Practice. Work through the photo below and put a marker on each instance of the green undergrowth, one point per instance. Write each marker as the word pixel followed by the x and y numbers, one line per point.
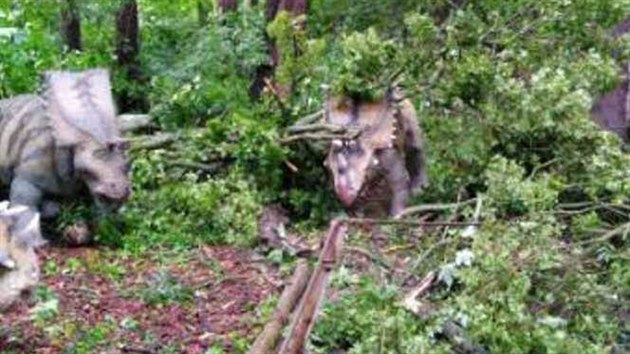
pixel 514 287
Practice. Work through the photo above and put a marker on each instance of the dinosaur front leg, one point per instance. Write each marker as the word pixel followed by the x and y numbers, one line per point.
pixel 23 192
pixel 397 179
pixel 415 159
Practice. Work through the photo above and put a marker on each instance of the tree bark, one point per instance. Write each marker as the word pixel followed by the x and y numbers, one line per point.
pixel 203 11
pixel 127 56
pixel 267 339
pixel 228 5
pixel 71 25
pixel 266 71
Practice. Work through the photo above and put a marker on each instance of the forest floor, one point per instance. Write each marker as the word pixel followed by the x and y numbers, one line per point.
pixel 101 300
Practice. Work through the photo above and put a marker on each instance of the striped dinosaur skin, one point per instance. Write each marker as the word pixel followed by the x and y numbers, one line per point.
pixel 19 235
pixel 63 142
pixel 385 164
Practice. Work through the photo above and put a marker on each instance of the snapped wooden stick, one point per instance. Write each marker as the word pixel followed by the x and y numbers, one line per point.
pixel 267 339
pixel 306 313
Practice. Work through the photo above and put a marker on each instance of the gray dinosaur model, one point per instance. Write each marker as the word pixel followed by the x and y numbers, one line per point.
pixel 58 143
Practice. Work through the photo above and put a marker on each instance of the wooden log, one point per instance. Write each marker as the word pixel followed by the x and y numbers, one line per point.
pixel 306 313
pixel 268 338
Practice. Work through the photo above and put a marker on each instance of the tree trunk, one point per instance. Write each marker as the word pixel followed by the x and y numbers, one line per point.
pixel 295 7
pixel 266 71
pixel 226 6
pixel 127 56
pixel 71 25
pixel 203 11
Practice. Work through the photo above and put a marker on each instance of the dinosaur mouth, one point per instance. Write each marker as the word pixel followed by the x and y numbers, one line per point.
pixel 347 197
pixel 107 204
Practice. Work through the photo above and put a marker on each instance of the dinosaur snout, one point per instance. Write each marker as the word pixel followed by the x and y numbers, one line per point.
pixel 346 195
pixel 113 192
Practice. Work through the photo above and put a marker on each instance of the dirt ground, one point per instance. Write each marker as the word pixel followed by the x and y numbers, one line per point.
pixel 107 303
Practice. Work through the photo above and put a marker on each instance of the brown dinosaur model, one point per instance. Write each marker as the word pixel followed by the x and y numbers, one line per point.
pixel 385 162
pixel 612 111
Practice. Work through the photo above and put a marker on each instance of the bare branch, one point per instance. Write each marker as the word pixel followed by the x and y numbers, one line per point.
pixel 133 122
pixel 409 222
pixel 309 119
pixel 410 302
pixel 306 312
pixel 212 167
pixel 267 339
pixel 624 229
pixel 150 142
pixel 434 207
pixel 332 128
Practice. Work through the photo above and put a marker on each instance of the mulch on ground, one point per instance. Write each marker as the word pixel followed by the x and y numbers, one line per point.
pixel 226 287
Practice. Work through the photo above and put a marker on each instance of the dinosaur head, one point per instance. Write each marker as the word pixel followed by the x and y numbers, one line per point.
pixel 104 168
pixel 349 162
pixel 85 127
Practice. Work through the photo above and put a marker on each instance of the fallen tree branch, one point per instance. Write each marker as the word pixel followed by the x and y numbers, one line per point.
pixel 132 122
pixel 322 132
pixel 585 207
pixel 372 257
pixel 428 252
pixel 410 222
pixel 306 313
pixel 331 128
pixel 624 229
pixel 209 168
pixel 276 95
pixel 267 339
pixel 309 118
pixel 434 207
pixel 455 334
pixel 410 302
pixel 151 142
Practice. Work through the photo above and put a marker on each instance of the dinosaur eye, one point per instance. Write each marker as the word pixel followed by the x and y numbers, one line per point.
pixel 123 145
pixel 87 174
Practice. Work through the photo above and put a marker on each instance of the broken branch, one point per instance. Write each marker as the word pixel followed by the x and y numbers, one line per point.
pixel 306 312
pixel 455 334
pixel 196 166
pixel 372 257
pixel 434 207
pixel 410 222
pixel 624 229
pixel 309 118
pixel 151 142
pixel 291 294
pixel 332 128
pixel 133 122
pixel 410 302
